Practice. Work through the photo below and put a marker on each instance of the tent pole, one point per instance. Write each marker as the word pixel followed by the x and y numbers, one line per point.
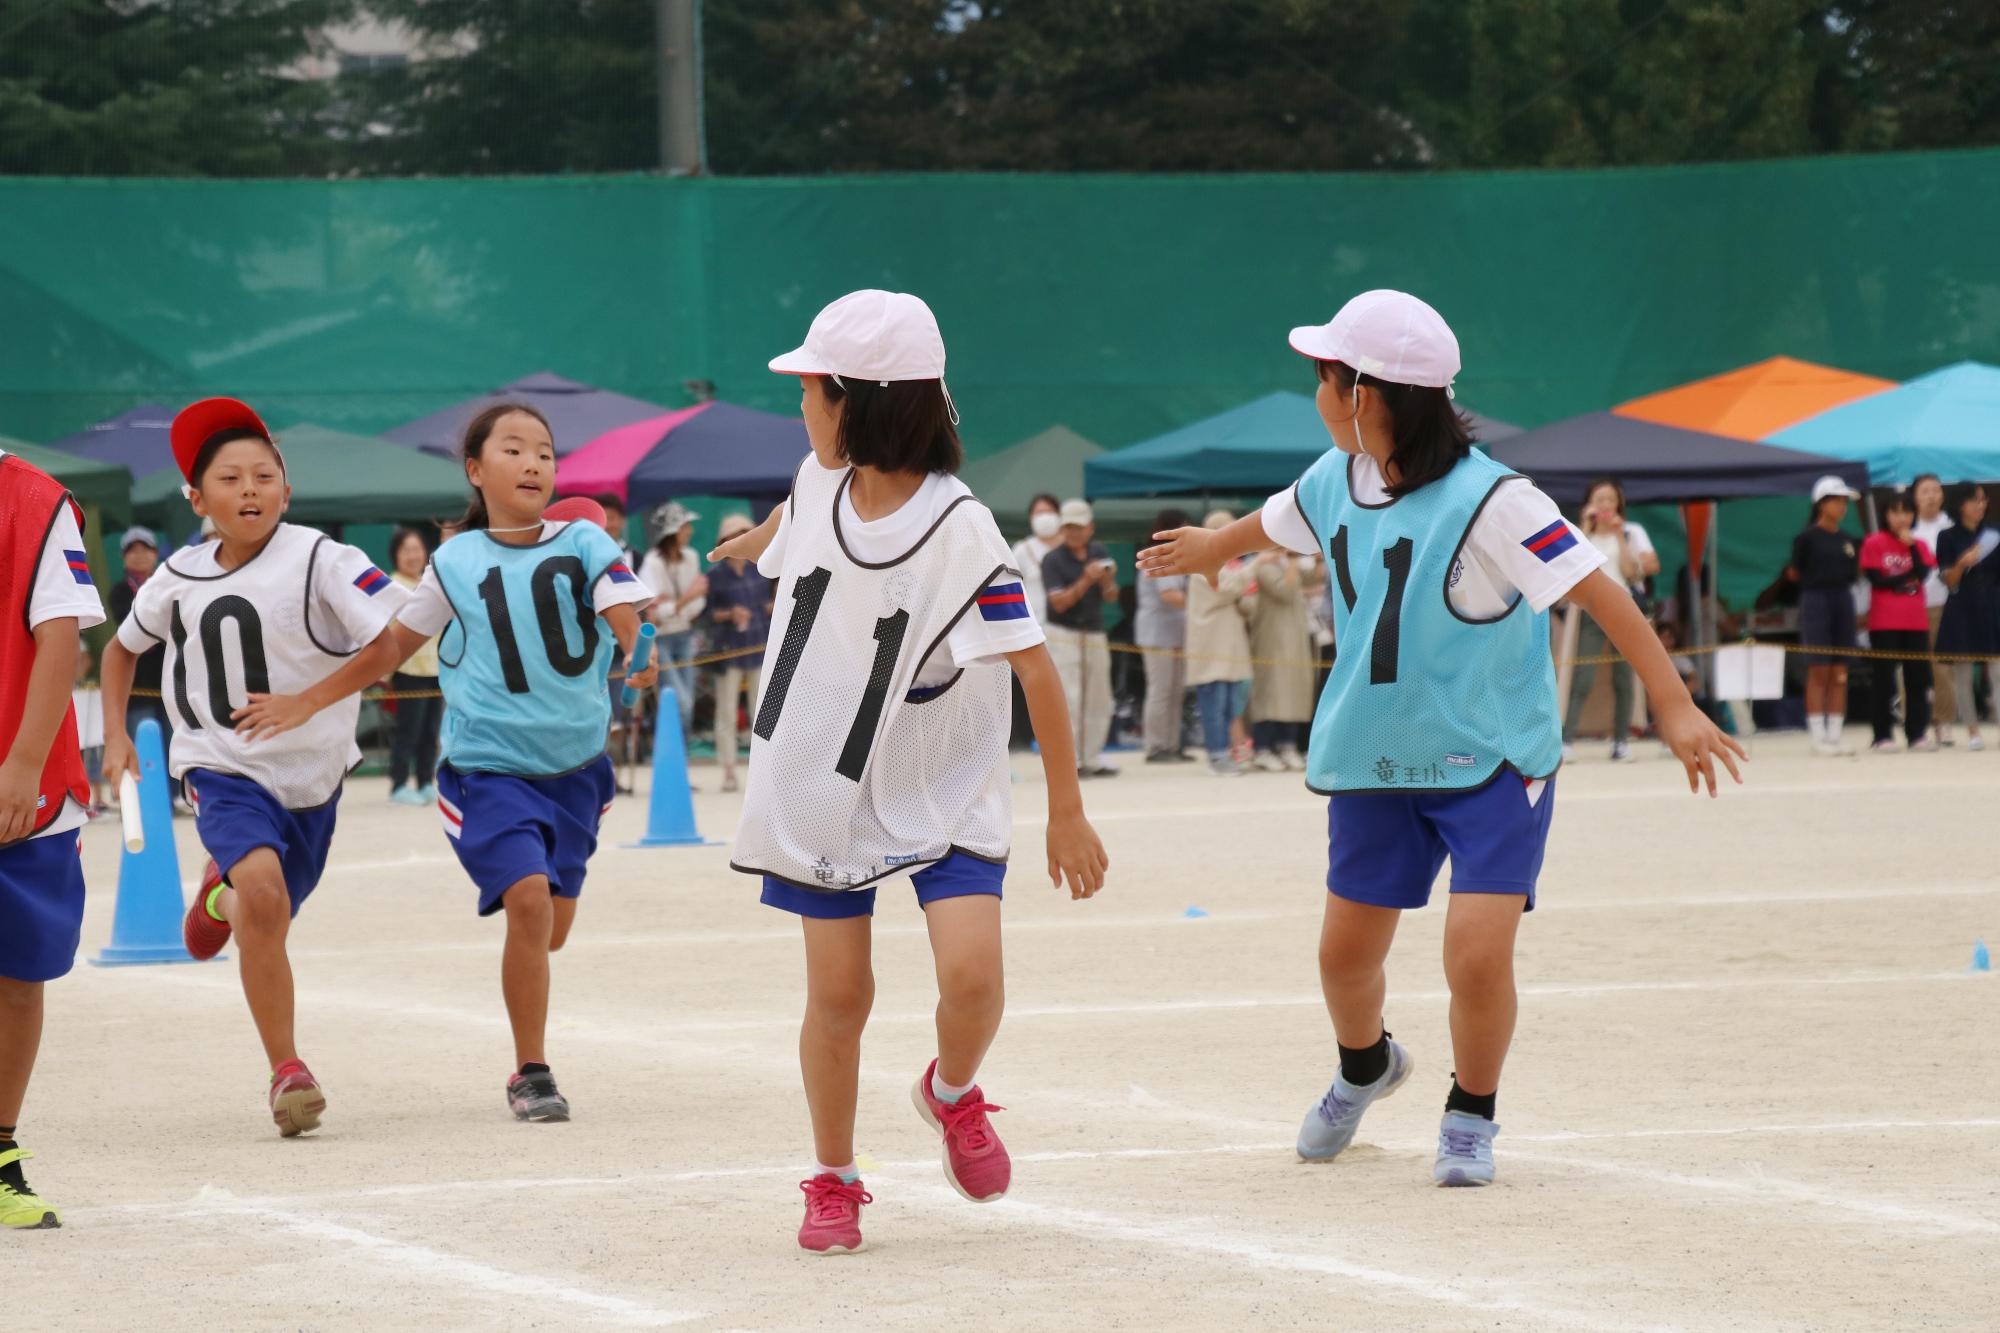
pixel 1713 629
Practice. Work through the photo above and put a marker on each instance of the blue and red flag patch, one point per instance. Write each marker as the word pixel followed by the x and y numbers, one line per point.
pixel 1551 541
pixel 1003 601
pixel 621 573
pixel 79 565
pixel 371 580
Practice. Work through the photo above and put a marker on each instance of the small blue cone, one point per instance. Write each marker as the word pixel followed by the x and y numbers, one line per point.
pixel 147 927
pixel 1194 912
pixel 670 813
pixel 1982 961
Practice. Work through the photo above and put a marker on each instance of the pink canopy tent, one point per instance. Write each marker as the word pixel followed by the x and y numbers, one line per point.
pixel 711 448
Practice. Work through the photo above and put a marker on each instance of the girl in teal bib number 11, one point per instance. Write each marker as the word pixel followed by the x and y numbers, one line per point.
pixel 1438 733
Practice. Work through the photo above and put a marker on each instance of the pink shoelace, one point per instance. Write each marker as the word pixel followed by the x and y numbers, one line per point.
pixel 966 1121
pixel 831 1199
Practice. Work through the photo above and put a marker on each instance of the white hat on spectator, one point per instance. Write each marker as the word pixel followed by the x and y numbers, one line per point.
pixel 1388 334
pixel 1077 514
pixel 1832 485
pixel 138 536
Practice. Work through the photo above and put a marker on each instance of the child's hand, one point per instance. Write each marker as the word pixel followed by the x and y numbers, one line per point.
pixel 1074 850
pixel 1697 742
pixel 1182 551
pixel 643 680
pixel 119 759
pixel 268 715
pixel 20 790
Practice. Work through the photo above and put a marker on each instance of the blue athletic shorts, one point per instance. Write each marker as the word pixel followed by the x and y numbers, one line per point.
pixel 233 817
pixel 506 828
pixel 41 906
pixel 1386 848
pixel 959 875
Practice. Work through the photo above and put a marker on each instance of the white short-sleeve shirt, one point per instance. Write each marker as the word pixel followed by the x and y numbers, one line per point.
pixel 63 590
pixel 1496 565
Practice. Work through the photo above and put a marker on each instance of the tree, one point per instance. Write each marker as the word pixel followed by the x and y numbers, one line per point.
pixel 187 88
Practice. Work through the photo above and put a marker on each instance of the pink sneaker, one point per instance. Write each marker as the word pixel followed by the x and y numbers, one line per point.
pixel 833 1215
pixel 296 1098
pixel 975 1161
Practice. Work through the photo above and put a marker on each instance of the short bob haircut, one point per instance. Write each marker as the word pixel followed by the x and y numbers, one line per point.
pixel 901 426
pixel 1429 436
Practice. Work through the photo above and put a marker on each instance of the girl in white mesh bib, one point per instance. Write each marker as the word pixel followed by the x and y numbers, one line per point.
pixel 879 747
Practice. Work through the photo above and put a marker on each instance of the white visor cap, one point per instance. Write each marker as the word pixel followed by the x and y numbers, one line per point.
pixel 870 335
pixel 1388 334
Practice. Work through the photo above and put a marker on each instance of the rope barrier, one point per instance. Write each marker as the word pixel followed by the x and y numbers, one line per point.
pixel 1599 659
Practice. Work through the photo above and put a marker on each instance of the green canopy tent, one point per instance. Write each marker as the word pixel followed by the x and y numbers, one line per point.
pixel 336 478
pixel 105 487
pixel 1052 463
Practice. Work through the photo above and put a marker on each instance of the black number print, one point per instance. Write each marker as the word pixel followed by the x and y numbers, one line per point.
pixel 889 631
pixel 549 620
pixel 1389 625
pixel 808 592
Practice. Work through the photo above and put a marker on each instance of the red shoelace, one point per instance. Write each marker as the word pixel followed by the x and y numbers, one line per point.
pixel 830 1199
pixel 966 1121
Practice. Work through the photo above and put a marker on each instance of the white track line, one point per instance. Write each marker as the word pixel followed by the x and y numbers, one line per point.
pixel 1767 1188
pixel 431 1265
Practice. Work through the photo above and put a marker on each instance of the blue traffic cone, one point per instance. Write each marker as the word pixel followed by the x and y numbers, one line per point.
pixel 1982 961
pixel 147 927
pixel 670 812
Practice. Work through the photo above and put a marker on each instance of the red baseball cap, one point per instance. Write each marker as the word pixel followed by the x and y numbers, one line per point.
pixel 198 423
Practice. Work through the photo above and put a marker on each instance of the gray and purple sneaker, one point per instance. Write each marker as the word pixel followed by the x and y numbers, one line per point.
pixel 1329 1127
pixel 1465 1150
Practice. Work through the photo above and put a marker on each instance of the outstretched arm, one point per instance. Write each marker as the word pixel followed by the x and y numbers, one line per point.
pixel 751 545
pixel 1695 741
pixel 1074 848
pixel 268 715
pixel 1204 551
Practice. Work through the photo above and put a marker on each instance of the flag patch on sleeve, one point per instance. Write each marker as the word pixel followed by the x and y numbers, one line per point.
pixel 1003 601
pixel 371 580
pixel 1551 541
pixel 620 573
pixel 79 566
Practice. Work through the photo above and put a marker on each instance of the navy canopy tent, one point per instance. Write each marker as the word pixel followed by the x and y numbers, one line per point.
pixel 137 440
pixel 577 414
pixel 723 450
pixel 1659 464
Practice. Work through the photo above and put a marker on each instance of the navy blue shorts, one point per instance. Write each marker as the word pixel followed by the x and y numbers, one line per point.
pixel 959 875
pixel 506 828
pixel 234 816
pixel 1386 848
pixel 41 906
pixel 1826 620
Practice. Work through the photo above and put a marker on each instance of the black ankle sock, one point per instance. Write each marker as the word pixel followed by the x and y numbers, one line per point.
pixel 532 1068
pixel 1470 1103
pixel 1362 1065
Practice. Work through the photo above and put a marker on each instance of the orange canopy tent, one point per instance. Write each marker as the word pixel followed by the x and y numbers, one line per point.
pixel 1748 403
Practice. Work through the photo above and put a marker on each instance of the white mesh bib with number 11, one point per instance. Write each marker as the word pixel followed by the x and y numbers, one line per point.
pixel 851 778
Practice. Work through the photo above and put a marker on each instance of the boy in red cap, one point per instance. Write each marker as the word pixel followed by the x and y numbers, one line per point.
pixel 265 606
pixel 48 601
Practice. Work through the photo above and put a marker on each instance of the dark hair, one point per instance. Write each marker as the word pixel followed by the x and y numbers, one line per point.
pixel 1169 519
pixel 1616 489
pixel 204 457
pixel 608 502
pixel 1428 436
pixel 473 443
pixel 1965 492
pixel 401 535
pixel 669 545
pixel 1044 499
pixel 1891 503
pixel 901 426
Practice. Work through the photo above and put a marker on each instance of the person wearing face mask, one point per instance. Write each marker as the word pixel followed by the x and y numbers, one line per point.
pixel 1044 535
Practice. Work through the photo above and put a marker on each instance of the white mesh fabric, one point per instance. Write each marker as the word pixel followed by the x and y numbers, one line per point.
pixel 931 775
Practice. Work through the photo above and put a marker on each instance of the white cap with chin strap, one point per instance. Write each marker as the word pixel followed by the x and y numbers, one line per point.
pixel 872 335
pixel 1389 335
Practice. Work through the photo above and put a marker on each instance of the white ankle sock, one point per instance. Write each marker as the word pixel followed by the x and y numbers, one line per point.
pixel 944 1091
pixel 1816 725
pixel 848 1174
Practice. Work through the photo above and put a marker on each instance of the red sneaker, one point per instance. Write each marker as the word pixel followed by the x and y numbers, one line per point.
pixel 296 1098
pixel 833 1214
pixel 201 933
pixel 975 1161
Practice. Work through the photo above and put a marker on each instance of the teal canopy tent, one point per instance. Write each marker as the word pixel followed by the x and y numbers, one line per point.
pixel 1946 422
pixel 1250 450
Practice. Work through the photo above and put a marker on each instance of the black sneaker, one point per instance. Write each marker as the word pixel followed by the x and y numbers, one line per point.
pixel 1163 757
pixel 533 1096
